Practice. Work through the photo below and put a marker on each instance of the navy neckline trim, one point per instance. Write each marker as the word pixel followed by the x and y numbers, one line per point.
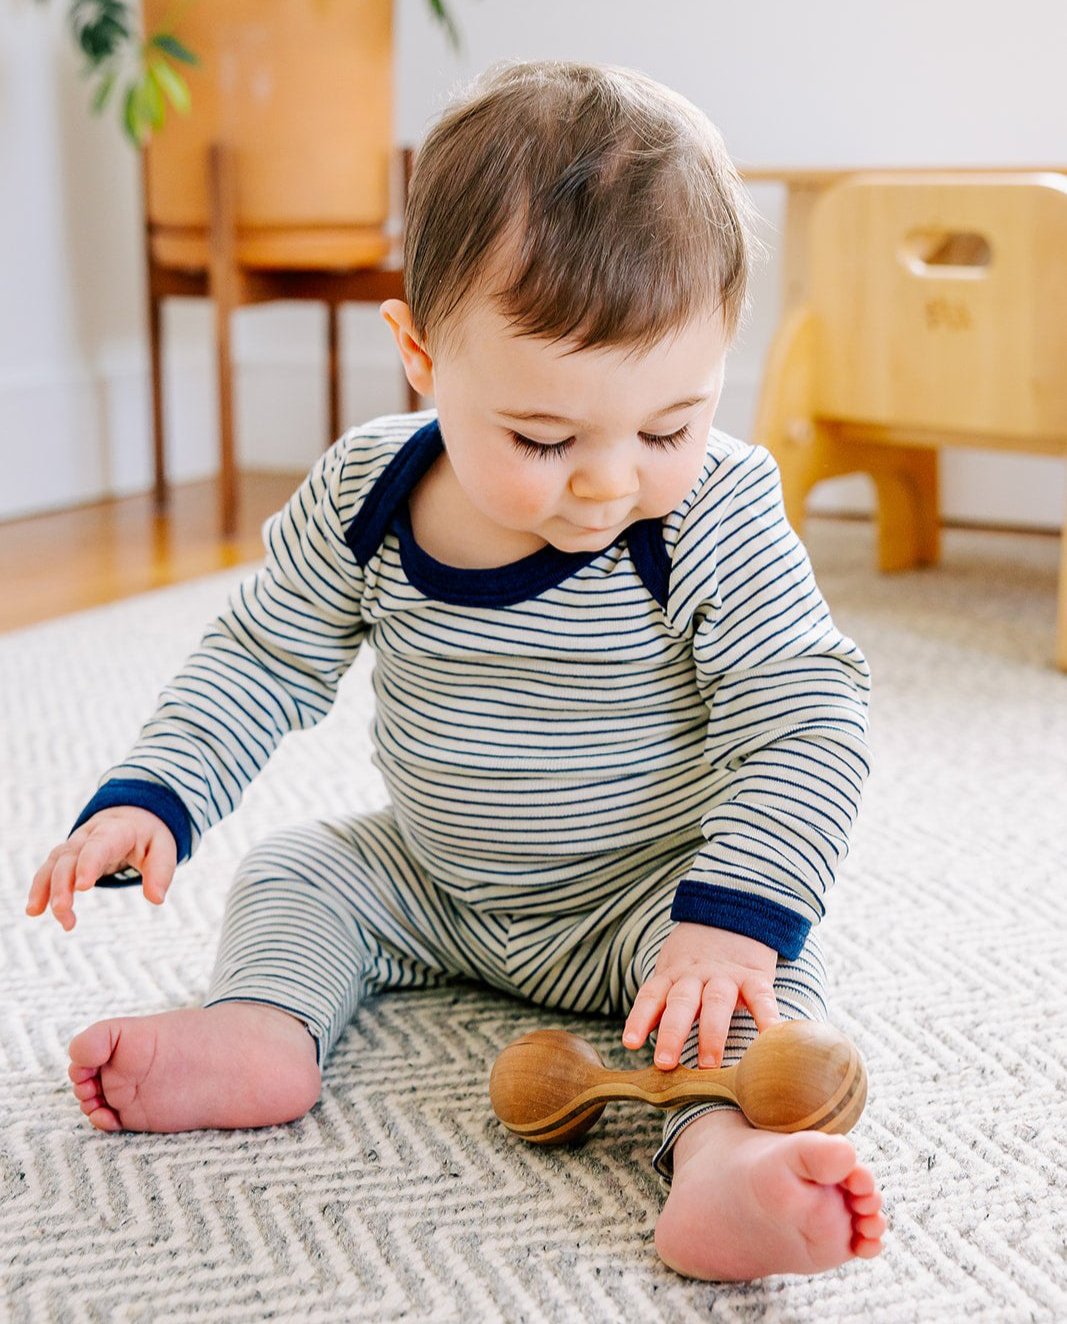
pixel 392 489
pixel 488 586
pixel 385 509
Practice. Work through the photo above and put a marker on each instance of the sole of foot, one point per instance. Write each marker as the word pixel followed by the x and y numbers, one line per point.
pixel 234 1064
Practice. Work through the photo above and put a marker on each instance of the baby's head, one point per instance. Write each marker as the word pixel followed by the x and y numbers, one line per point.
pixel 576 260
pixel 587 203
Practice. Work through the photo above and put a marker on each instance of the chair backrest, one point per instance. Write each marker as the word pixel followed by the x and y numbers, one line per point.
pixel 940 303
pixel 302 89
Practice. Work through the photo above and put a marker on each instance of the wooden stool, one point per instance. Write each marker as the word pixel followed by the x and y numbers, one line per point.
pixel 936 315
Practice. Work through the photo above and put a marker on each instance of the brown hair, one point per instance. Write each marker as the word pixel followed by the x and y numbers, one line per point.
pixel 619 212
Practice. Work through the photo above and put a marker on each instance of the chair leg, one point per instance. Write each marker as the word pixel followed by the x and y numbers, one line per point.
pixel 784 420
pixel 227 458
pixel 226 290
pixel 926 481
pixel 333 359
pixel 155 353
pixel 909 531
pixel 798 478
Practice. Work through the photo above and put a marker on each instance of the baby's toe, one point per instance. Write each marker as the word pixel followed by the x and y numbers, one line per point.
pixel 94 1045
pixel 827 1160
pixel 869 1228
pixel 864 1249
pixel 87 1089
pixel 102 1117
pixel 865 1204
pixel 860 1181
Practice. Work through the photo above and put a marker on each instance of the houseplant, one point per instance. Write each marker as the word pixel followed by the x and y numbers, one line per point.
pixel 144 69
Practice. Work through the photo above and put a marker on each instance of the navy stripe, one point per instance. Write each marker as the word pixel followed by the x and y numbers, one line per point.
pixel 754 916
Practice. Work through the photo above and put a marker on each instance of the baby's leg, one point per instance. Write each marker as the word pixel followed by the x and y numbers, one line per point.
pixel 318 917
pixel 746 1203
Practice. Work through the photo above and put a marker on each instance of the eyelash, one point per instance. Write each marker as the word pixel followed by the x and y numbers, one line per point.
pixel 542 452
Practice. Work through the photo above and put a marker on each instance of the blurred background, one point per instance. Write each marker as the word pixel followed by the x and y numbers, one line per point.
pixel 792 85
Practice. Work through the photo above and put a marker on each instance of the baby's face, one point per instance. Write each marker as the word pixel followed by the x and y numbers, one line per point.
pixel 573 448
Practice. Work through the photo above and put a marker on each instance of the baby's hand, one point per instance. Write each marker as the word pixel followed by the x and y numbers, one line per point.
pixel 702 972
pixel 105 843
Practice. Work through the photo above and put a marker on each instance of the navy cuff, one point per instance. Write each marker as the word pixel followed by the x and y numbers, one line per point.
pixel 741 912
pixel 153 796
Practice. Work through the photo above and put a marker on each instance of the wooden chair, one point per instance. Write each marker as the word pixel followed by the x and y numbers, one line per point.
pixel 276 185
pixel 936 315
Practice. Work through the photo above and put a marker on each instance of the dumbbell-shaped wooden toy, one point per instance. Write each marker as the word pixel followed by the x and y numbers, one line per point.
pixel 551 1086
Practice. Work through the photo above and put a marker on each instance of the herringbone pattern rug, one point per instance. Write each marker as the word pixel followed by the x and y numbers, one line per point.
pixel 399 1196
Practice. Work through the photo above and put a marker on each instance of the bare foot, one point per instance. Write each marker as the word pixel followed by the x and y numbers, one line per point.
pixel 747 1203
pixel 234 1064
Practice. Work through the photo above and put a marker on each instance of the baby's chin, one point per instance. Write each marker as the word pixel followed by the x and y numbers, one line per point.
pixel 567 537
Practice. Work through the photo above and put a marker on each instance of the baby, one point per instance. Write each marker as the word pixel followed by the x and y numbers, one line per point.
pixel 623 741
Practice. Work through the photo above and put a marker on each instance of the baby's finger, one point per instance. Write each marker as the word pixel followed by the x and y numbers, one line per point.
pixel 157 870
pixel 677 1020
pixel 646 1011
pixel 37 900
pixel 717 1004
pixel 96 858
pixel 63 890
pixel 40 888
pixel 761 1002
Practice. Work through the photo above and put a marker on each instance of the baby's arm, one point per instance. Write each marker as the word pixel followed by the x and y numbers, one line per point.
pixel 702 974
pixel 107 842
pixel 270 663
pixel 786 695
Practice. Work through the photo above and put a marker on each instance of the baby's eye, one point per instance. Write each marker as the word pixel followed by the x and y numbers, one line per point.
pixel 546 450
pixel 539 449
pixel 669 440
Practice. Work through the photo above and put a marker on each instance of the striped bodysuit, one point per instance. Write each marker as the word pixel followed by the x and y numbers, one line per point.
pixel 580 749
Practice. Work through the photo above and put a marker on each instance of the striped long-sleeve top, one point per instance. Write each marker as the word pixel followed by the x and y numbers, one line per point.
pixel 536 718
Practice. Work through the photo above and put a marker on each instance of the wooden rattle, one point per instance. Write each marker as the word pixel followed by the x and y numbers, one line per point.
pixel 551 1086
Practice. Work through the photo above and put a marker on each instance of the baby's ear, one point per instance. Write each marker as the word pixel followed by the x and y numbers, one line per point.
pixel 418 366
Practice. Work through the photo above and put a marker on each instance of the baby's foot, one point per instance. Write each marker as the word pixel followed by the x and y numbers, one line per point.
pixel 234 1064
pixel 746 1203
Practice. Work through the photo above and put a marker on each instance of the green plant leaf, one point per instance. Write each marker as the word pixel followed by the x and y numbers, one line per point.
pixel 130 118
pixel 172 83
pixel 166 41
pixel 441 13
pixel 100 28
pixel 150 99
pixel 103 91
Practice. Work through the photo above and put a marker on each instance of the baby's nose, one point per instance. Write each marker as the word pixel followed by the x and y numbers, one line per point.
pixel 605 483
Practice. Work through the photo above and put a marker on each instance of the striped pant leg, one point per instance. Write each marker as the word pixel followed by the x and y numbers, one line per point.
pixel 325 914
pixel 799 987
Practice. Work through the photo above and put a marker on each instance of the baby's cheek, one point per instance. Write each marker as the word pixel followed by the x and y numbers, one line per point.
pixel 525 494
pixel 672 482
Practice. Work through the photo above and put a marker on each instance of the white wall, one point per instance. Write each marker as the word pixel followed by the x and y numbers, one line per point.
pixel 822 82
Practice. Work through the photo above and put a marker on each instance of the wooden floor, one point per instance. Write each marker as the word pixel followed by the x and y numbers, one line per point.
pixel 53 564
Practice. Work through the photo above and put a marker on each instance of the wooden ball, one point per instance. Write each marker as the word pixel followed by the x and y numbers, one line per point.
pixel 537 1076
pixel 802 1076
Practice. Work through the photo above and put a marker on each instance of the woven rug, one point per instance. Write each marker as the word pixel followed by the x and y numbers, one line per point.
pixel 399 1197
